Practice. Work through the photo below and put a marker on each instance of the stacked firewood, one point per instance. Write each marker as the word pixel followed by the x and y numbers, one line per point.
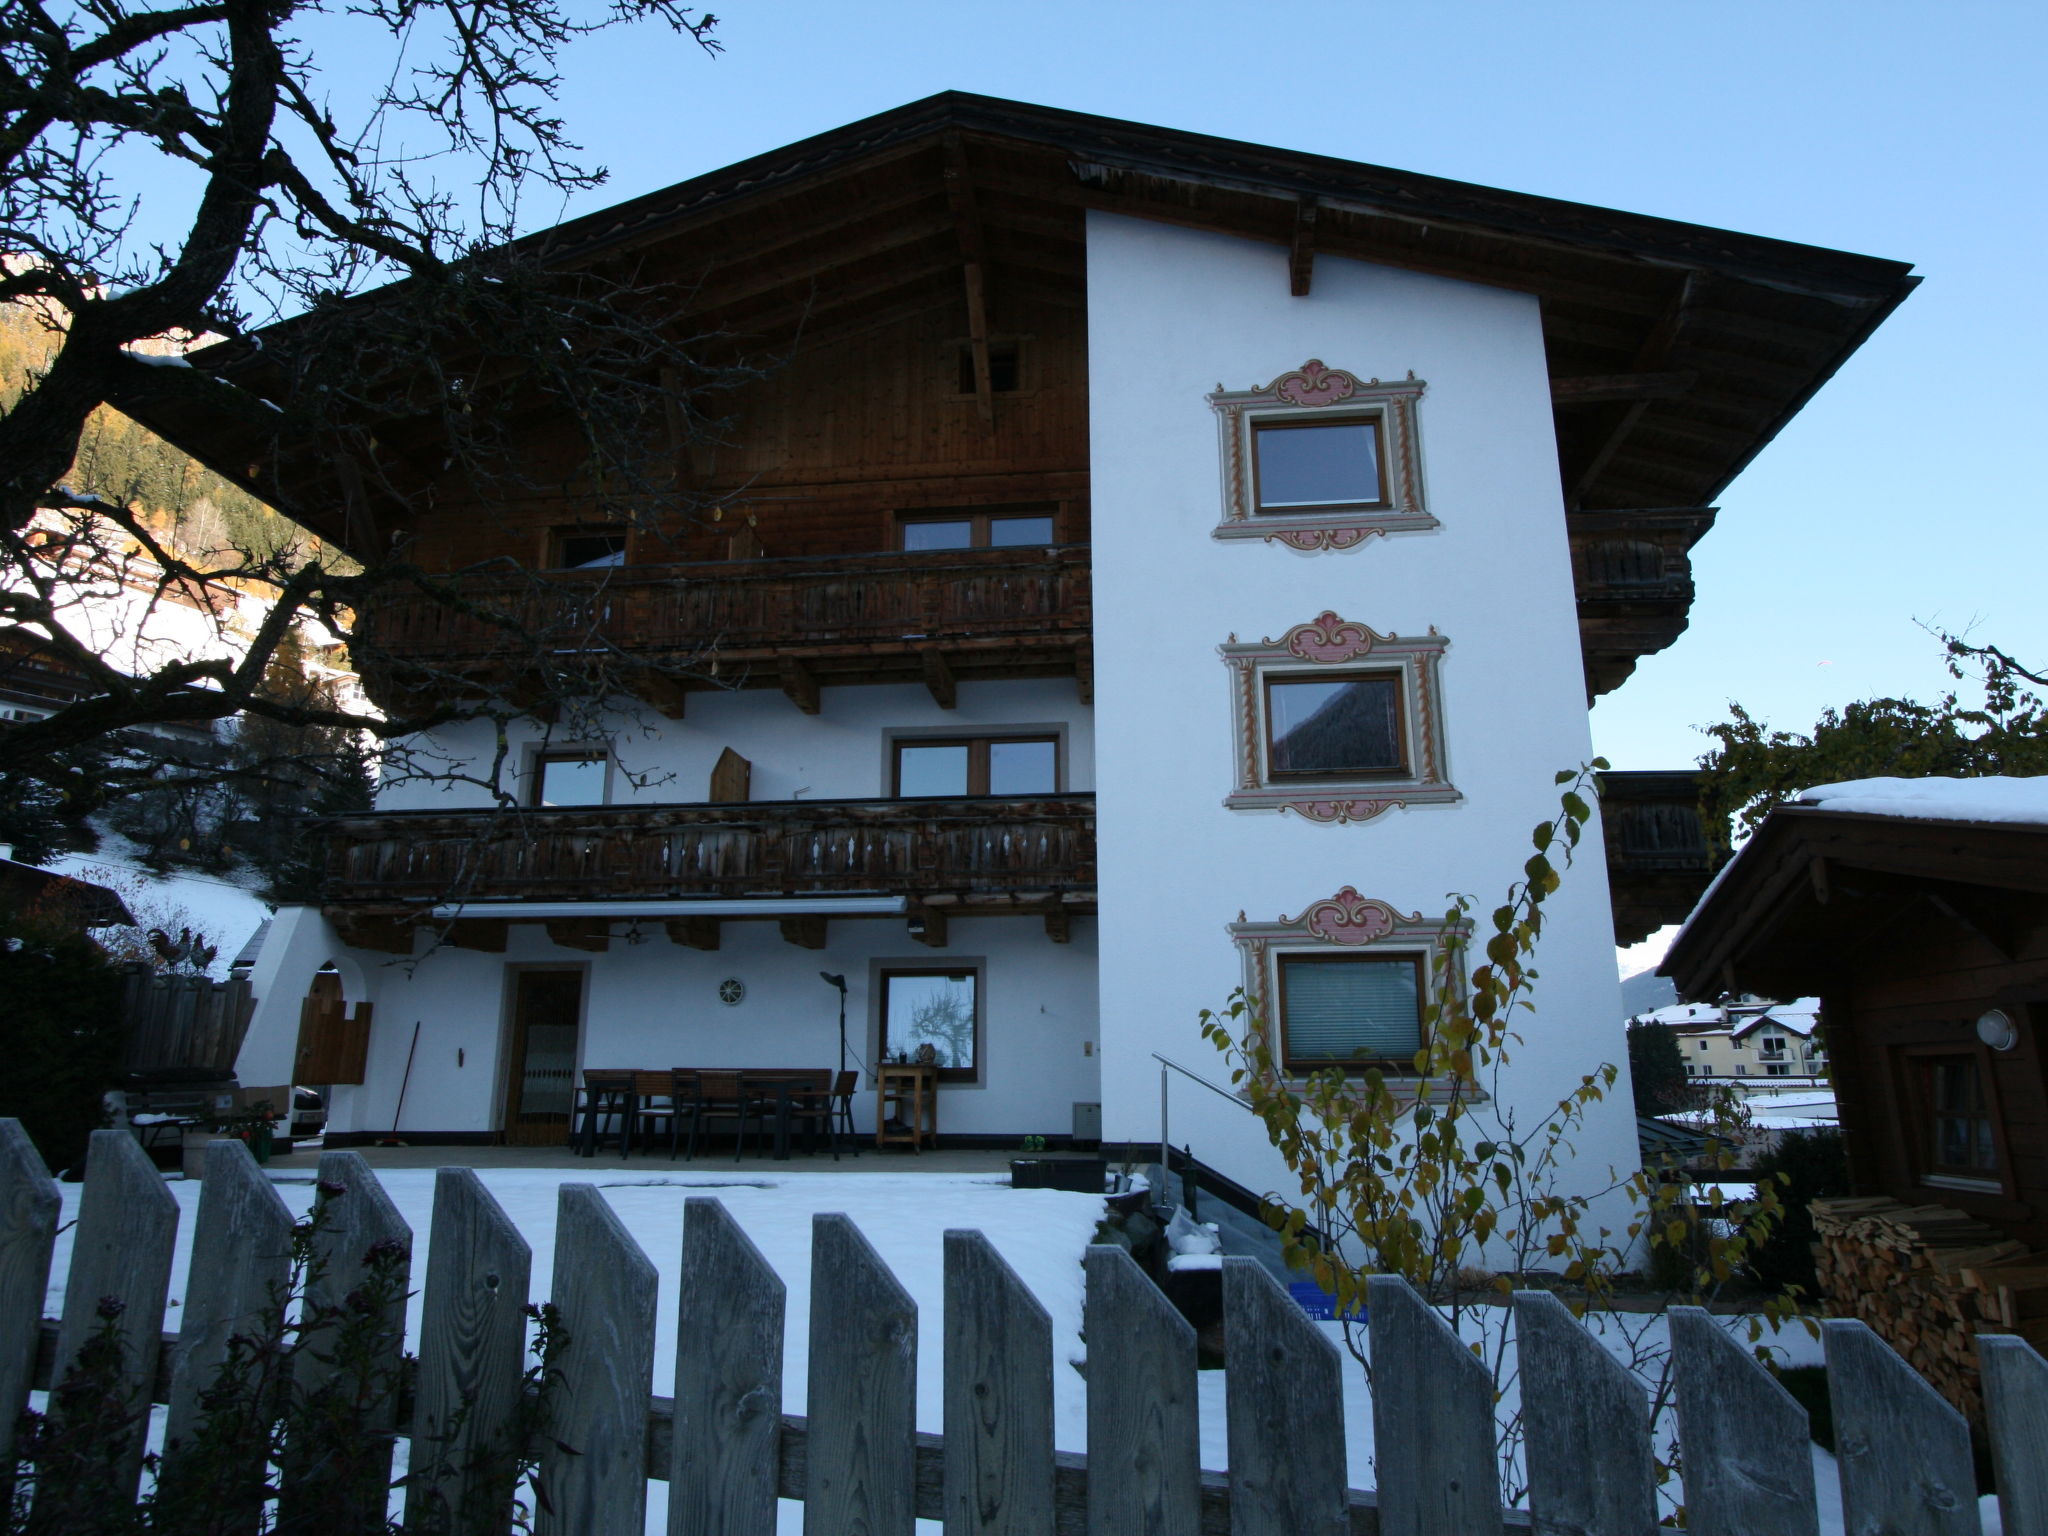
pixel 1928 1280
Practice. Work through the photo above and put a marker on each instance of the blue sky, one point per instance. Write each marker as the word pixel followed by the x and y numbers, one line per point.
pixel 1904 494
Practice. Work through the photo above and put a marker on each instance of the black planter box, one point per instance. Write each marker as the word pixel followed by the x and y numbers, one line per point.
pixel 1083 1175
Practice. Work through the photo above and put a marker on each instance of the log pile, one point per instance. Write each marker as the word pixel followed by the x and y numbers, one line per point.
pixel 1928 1279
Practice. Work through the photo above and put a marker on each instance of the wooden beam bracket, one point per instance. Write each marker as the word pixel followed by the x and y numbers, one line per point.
pixel 801 684
pixel 928 926
pixel 693 932
pixel 804 932
pixel 1301 250
pixel 938 677
pixel 592 934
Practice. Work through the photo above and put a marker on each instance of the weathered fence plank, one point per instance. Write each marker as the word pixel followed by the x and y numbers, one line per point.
pixel 472 1354
pixel 2016 1420
pixel 861 1470
pixel 1432 1420
pixel 1586 1427
pixel 119 1282
pixel 1284 1393
pixel 1903 1452
pixel 1747 1448
pixel 339 1473
pixel 241 1268
pixel 1144 1433
pixel 28 1232
pixel 998 1408
pixel 728 1406
pixel 593 1463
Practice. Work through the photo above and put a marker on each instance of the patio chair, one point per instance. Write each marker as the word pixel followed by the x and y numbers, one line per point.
pixel 843 1088
pixel 684 1095
pixel 812 1111
pixel 606 1097
pixel 719 1097
pixel 654 1107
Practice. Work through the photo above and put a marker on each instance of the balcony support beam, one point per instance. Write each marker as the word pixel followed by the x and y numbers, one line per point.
pixel 1057 924
pixel 1084 671
pixel 693 932
pixel 667 694
pixel 386 935
pixel 483 933
pixel 593 934
pixel 804 932
pixel 938 677
pixel 928 926
pixel 801 684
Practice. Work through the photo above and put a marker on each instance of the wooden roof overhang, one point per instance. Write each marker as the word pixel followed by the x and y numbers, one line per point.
pixel 1816 892
pixel 1676 351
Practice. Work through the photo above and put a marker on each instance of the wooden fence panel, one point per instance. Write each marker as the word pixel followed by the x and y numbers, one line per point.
pixel 28 1232
pixel 593 1463
pixel 2016 1420
pixel 1432 1420
pixel 357 1282
pixel 728 1405
pixel 998 1410
pixel 1144 1434
pixel 1586 1427
pixel 121 1255
pixel 1748 1452
pixel 472 1354
pixel 862 1411
pixel 1284 1393
pixel 241 1268
pixel 1903 1452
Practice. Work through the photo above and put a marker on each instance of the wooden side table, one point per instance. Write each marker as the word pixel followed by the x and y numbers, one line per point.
pixel 913 1090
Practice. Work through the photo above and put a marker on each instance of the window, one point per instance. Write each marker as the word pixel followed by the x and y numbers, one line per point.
pixel 570 778
pixel 1320 459
pixel 1777 1069
pixel 1347 724
pixel 1960 1138
pixel 1005 367
pixel 586 548
pixel 1320 464
pixel 963 528
pixel 1338 723
pixel 1703 1045
pixel 977 765
pixel 938 1007
pixel 1345 1010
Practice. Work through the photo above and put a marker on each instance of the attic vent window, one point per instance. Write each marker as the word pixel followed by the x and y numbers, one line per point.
pixel 585 549
pixel 1005 367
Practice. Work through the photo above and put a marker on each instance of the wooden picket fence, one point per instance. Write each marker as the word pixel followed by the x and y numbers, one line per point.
pixel 727 1451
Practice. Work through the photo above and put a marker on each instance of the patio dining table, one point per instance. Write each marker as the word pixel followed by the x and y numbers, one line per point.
pixel 620 1093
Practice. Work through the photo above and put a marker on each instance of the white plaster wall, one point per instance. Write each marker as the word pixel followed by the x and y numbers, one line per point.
pixel 836 754
pixel 1173 313
pixel 655 1005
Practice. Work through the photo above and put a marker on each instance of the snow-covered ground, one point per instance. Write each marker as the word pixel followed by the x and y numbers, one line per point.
pixel 1040 1233
pixel 224 912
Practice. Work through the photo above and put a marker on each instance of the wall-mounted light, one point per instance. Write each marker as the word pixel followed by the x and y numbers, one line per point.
pixel 1995 1027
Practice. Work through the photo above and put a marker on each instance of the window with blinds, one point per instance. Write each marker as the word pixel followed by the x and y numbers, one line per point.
pixel 1350 1008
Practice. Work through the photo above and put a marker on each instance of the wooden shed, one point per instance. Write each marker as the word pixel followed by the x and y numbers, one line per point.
pixel 1918 911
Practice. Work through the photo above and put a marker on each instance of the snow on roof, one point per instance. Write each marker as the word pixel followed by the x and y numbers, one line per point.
pixel 1937 799
pixel 1801 1016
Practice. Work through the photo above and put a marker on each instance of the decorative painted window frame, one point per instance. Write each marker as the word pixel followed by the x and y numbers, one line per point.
pixel 1314 387
pixel 1330 641
pixel 1346 920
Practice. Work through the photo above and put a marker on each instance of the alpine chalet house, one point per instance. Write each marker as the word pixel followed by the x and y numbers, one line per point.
pixel 1176 565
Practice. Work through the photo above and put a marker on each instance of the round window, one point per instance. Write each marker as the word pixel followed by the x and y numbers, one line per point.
pixel 731 991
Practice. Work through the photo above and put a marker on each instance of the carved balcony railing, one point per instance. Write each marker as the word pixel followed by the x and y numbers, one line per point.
pixel 1633 575
pixel 837 619
pixel 973 850
pixel 1659 857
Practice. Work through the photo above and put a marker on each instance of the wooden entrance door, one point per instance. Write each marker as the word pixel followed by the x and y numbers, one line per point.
pixel 540 1083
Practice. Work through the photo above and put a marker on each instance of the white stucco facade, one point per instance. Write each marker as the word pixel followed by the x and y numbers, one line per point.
pixel 1173 315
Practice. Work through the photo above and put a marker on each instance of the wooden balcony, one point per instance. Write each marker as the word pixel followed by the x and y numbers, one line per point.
pixel 1633 574
pixel 933 617
pixel 1659 858
pixel 968 853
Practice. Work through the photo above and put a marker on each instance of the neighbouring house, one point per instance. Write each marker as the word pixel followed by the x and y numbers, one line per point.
pixel 1747 1040
pixel 74 902
pixel 1177 563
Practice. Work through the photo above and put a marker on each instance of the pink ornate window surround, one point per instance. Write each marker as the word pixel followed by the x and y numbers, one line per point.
pixel 1344 923
pixel 1331 647
pixel 1314 394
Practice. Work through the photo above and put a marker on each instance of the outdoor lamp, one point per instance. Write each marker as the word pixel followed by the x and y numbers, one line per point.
pixel 1997 1030
pixel 840 982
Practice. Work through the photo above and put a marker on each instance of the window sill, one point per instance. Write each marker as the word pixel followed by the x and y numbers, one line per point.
pixel 1958 1181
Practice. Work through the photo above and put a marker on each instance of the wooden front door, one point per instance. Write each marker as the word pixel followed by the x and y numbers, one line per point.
pixel 540 1083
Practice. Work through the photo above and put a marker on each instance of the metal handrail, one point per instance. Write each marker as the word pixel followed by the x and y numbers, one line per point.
pixel 1165 1163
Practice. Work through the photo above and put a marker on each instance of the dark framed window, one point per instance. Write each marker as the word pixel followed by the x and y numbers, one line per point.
pixel 1342 725
pixel 579 776
pixel 1320 462
pixel 1350 1010
pixel 1958 1122
pixel 936 1006
pixel 1005 367
pixel 976 765
pixel 976 528
pixel 586 548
